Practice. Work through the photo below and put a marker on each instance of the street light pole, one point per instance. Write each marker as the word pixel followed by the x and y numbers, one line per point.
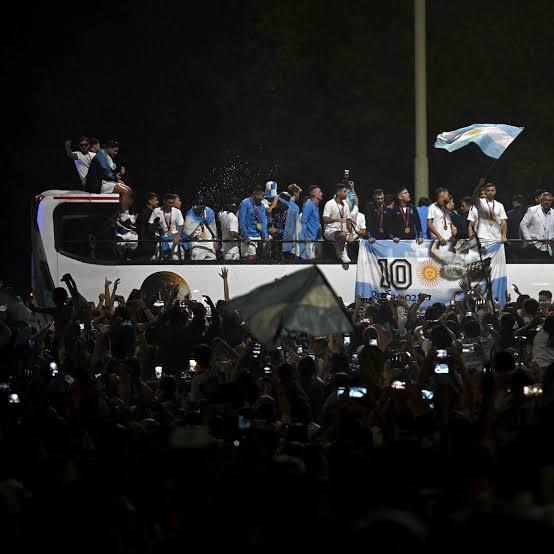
pixel 421 166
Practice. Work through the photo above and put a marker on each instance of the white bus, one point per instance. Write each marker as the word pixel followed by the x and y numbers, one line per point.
pixel 70 234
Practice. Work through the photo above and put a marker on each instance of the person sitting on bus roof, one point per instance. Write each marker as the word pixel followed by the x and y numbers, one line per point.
pixel 200 226
pixel 84 156
pixel 125 225
pixel 252 223
pixel 102 174
pixel 167 223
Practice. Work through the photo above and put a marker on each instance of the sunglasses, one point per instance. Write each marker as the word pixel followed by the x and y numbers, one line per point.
pixel 83 144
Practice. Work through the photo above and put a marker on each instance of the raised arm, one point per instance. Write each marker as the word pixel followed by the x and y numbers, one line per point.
pixel 353 188
pixel 225 275
pixel 71 155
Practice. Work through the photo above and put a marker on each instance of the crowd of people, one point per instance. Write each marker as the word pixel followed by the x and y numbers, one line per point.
pixel 294 224
pixel 133 428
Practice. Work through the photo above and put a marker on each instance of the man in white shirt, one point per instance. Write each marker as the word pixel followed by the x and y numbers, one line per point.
pixel 439 222
pixel 338 224
pixel 167 223
pixel 229 231
pixel 83 156
pixel 537 226
pixel 488 219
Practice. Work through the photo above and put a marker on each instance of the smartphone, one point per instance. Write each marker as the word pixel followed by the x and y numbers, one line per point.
pixel 53 369
pixel 427 394
pixel 279 348
pixel 400 385
pixel 442 353
pixel 244 422
pixel 441 368
pixel 355 358
pixel 299 350
pixel 158 371
pixel 340 391
pixel 372 342
pixel 468 348
pixel 14 398
pixel 267 369
pixel 452 303
pixel 192 365
pixel 256 349
pixel 389 297
pixel 469 314
pixel 82 326
pixel 4 386
pixel 357 392
pixel 346 340
pixel 312 356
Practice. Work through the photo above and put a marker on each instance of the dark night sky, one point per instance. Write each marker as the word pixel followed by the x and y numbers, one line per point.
pixel 290 89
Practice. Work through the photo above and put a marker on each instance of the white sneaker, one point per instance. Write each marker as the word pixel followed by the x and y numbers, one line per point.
pixel 344 258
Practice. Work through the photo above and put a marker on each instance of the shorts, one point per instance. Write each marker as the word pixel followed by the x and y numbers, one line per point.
pixel 330 234
pixel 233 254
pixel 201 254
pixel 249 246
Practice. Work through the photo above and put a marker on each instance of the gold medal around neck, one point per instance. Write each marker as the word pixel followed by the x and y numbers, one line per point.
pixel 408 230
pixel 491 221
pixel 259 226
pixel 381 230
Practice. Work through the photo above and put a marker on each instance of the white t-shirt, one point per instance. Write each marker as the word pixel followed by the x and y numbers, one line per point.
pixel 441 218
pixel 170 222
pixel 333 209
pixel 229 223
pixel 82 163
pixel 488 229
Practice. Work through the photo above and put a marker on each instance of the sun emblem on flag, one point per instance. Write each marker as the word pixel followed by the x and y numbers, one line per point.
pixel 428 273
pixel 474 132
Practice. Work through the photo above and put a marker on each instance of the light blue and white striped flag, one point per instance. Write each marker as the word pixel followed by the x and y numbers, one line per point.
pixel 492 138
pixel 408 269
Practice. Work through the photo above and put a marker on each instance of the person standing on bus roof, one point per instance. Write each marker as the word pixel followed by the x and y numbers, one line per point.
pixel 439 220
pixel 167 223
pixel 152 202
pixel 200 227
pixel 82 157
pixel 229 231
pixel 101 177
pixel 338 222
pixel 252 223
pixel 405 222
pixel 537 226
pixel 488 218
pixel 310 225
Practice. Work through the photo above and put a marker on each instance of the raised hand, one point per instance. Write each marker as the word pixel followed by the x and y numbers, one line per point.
pixel 224 273
pixel 106 282
pixel 116 284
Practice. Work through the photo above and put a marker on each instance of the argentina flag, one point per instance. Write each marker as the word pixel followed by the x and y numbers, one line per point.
pixel 409 269
pixel 492 138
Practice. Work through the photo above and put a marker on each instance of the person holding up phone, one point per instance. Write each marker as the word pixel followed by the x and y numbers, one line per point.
pixel 207 380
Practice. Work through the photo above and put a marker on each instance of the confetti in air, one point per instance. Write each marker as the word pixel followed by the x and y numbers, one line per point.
pixel 235 180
